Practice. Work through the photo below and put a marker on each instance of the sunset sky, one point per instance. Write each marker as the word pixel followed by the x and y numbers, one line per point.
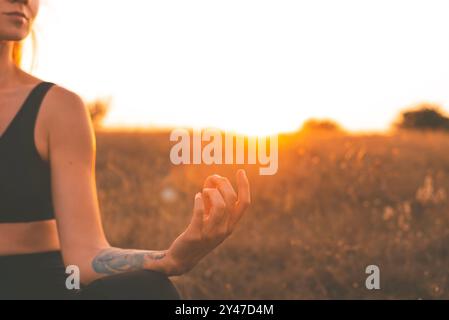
pixel 254 66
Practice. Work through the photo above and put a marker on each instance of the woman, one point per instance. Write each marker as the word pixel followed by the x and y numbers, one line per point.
pixel 49 214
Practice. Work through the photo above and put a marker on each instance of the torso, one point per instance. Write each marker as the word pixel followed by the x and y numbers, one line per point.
pixel 31 237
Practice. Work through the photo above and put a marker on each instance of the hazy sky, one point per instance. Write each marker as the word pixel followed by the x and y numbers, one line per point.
pixel 254 66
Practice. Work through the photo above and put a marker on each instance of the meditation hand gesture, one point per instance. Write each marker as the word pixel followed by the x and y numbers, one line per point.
pixel 217 210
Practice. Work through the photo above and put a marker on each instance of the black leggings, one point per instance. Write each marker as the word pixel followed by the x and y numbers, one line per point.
pixel 42 276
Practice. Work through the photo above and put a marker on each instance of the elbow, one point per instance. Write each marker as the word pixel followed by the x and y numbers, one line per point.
pixel 78 262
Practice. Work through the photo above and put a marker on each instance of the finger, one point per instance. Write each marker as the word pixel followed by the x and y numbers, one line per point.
pixel 244 193
pixel 198 212
pixel 225 188
pixel 217 213
pixel 211 181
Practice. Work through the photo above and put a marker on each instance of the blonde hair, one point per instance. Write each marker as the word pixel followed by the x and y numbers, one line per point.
pixel 17 53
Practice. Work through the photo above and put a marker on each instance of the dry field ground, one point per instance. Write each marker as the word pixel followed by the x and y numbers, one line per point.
pixel 338 204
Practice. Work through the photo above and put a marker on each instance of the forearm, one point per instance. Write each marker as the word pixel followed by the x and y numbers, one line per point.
pixel 110 261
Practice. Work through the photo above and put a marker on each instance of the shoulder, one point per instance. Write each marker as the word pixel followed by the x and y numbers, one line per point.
pixel 63 104
pixel 58 101
pixel 64 108
pixel 66 116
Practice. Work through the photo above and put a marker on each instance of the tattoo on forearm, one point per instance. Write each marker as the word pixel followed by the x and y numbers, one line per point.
pixel 112 261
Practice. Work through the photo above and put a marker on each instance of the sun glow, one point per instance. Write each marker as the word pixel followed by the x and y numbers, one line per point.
pixel 254 67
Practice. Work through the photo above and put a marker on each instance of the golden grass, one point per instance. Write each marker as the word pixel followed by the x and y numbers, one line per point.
pixel 338 204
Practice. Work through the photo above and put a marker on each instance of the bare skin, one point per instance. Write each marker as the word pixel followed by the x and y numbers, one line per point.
pixel 64 138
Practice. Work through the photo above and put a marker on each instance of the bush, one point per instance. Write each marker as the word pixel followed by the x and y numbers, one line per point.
pixel 98 110
pixel 424 117
pixel 321 126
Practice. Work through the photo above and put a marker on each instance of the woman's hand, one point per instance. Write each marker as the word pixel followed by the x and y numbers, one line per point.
pixel 216 213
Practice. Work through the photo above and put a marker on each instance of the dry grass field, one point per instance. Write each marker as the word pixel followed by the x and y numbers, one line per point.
pixel 338 204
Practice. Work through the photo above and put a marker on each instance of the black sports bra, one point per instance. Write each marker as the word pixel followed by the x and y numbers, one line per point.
pixel 25 184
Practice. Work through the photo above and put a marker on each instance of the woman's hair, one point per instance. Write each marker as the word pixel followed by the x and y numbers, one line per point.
pixel 17 53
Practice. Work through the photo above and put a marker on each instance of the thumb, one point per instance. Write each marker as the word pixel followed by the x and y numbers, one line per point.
pixel 198 212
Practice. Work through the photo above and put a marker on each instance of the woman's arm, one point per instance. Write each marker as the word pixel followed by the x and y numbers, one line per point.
pixel 72 159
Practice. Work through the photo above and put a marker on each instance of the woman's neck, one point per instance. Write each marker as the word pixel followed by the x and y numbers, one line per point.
pixel 7 67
